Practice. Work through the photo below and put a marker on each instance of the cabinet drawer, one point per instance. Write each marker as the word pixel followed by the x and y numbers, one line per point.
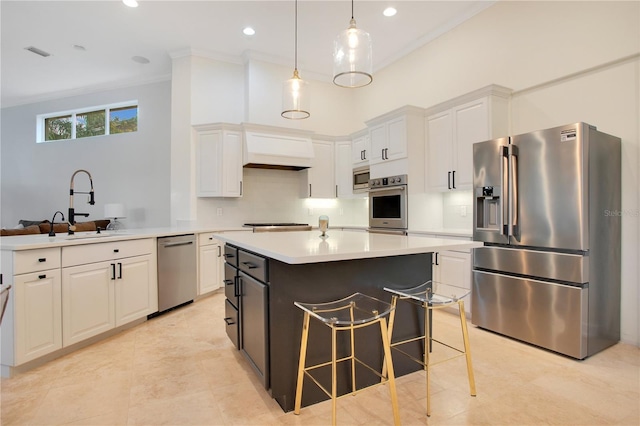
pixel 36 260
pixel 231 255
pixel 231 323
pixel 254 265
pixel 207 239
pixel 90 253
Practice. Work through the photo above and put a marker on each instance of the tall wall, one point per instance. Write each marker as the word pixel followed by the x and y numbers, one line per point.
pixel 128 168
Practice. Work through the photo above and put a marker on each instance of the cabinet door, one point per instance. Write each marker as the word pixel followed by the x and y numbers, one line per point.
pixel 360 151
pixel 396 139
pixel 209 156
pixel 321 175
pixel 471 126
pixel 344 170
pixel 454 268
pixel 219 163
pixel 134 293
pixel 210 262
pixel 254 323
pixel 87 301
pixel 38 314
pixel 232 163
pixel 439 134
pixel 378 141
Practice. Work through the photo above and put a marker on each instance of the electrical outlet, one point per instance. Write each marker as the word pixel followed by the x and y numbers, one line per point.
pixel 463 211
pixel 341 212
pixel 310 212
pixel 219 211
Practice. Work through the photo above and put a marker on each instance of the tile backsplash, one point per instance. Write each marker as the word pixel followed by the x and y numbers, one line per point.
pixel 457 209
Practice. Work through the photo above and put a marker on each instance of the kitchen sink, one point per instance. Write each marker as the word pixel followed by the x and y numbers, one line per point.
pixel 88 235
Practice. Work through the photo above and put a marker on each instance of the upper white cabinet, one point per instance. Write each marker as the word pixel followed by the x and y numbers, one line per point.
pixel 218 160
pixel 343 169
pixel 360 148
pixel 320 177
pixel 453 127
pixel 397 145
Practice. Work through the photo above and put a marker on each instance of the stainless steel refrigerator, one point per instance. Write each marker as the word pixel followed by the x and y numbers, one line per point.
pixel 547 207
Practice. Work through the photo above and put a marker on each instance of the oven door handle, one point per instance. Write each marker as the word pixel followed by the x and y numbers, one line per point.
pixel 390 188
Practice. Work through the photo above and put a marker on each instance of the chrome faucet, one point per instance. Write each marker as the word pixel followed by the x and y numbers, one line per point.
pixel 72 213
pixel 53 219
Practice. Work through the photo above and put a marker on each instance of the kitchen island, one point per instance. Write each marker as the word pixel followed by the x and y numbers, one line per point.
pixel 301 266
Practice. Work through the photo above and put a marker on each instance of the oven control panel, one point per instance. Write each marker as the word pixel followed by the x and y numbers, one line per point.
pixel 388 181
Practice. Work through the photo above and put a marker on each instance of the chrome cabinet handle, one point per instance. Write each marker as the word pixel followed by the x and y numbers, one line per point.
pixel 229 321
pixel 250 265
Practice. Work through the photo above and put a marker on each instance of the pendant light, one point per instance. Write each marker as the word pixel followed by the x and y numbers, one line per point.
pixel 295 98
pixel 352 58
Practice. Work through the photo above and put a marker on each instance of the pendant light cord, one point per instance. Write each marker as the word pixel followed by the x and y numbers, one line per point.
pixel 351 9
pixel 296 39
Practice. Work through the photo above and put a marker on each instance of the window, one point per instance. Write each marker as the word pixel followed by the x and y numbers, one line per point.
pixel 86 122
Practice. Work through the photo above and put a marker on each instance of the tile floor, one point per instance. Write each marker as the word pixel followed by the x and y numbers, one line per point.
pixel 180 369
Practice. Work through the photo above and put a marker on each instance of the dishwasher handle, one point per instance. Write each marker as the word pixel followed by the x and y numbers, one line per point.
pixel 185 243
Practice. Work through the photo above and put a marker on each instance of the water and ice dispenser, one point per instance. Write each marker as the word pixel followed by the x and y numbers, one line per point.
pixel 488 205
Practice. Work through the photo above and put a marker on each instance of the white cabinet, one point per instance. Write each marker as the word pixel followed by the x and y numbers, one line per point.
pixel 360 148
pixel 389 140
pixel 218 161
pixel 452 128
pixel 32 325
pixel 397 146
pixel 210 263
pixel 344 170
pixel 320 177
pixel 107 285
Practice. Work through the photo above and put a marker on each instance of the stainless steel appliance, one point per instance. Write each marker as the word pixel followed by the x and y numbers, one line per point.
pixel 278 227
pixel 546 208
pixel 361 179
pixel 388 204
pixel 177 271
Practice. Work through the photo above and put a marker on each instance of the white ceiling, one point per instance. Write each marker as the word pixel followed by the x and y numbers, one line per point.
pixel 113 33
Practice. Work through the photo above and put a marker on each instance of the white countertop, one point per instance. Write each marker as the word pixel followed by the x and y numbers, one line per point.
pixel 307 247
pixel 36 241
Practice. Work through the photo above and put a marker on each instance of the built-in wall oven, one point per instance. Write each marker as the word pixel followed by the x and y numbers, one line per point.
pixel 388 205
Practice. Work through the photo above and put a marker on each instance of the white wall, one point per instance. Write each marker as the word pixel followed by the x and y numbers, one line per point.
pixel 128 168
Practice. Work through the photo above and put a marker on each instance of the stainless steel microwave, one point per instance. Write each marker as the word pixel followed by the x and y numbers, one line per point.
pixel 361 179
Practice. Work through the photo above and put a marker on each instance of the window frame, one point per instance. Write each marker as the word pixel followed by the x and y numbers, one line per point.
pixel 41 120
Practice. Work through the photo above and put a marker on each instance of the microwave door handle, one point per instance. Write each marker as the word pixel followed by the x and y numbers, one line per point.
pixel 504 191
pixel 513 192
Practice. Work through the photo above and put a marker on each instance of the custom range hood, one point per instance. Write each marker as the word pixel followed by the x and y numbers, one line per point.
pixel 270 148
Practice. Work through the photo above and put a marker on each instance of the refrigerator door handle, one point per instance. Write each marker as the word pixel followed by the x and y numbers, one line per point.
pixel 504 192
pixel 513 192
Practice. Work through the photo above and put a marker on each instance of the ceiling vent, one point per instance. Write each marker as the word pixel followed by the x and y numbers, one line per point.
pixel 37 51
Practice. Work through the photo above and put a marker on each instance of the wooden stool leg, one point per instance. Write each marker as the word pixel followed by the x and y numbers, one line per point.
pixel 386 344
pixel 334 378
pixel 467 347
pixel 427 349
pixel 303 356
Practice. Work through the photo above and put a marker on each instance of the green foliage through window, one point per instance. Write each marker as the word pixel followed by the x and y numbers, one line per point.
pixel 103 120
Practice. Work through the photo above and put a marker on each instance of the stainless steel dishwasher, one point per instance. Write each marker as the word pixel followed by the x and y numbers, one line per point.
pixel 177 271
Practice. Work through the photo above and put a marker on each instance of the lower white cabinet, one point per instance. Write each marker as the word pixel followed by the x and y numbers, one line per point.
pixel 453 268
pixel 210 263
pixel 100 295
pixel 37 311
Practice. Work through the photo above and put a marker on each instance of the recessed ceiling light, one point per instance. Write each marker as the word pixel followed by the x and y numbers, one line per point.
pixel 390 11
pixel 140 59
pixel 130 3
pixel 249 31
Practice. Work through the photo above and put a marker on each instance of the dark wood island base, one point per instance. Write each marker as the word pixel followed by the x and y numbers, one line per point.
pixel 328 281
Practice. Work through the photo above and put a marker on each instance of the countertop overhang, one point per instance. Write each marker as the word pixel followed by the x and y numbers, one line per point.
pixel 302 247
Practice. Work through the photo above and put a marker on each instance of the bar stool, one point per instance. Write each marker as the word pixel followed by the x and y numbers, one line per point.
pixel 348 314
pixel 433 297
